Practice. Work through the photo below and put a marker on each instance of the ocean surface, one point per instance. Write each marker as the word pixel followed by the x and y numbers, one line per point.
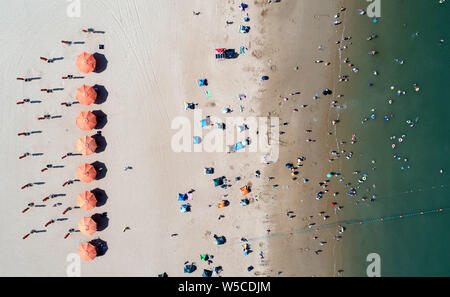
pixel 409 51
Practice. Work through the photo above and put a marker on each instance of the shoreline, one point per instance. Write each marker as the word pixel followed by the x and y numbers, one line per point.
pixel 292 255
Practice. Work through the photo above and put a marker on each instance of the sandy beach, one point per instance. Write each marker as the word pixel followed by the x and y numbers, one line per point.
pixel 154 53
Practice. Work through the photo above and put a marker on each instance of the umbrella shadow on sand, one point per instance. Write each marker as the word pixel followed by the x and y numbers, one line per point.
pixel 101 169
pixel 101 142
pixel 102 220
pixel 101 196
pixel 102 94
pixel 101 63
pixel 102 119
pixel 101 246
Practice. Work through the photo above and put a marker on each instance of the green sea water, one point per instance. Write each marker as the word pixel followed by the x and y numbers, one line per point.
pixel 410 31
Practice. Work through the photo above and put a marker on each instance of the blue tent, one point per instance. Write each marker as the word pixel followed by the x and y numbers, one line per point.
pixel 202 82
pixel 244 29
pixel 204 123
pixel 265 77
pixel 190 268
pixel 182 197
pixel 243 6
pixel 220 240
pixel 185 208
pixel 207 273
pixel 197 139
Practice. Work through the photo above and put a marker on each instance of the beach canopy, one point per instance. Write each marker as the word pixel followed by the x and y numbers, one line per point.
pixel 86 95
pixel 86 121
pixel 86 145
pixel 87 251
pixel 202 82
pixel 86 62
pixel 244 202
pixel 182 197
pixel 220 240
pixel 207 273
pixel 245 190
pixel 86 200
pixel 196 139
pixel 185 208
pixel 218 181
pixel 87 226
pixel 190 268
pixel 86 173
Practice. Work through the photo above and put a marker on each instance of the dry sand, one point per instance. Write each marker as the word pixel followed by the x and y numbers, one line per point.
pixel 156 51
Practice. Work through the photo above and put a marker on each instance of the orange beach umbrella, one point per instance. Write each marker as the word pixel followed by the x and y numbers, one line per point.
pixel 86 120
pixel 86 200
pixel 86 145
pixel 86 173
pixel 245 190
pixel 87 251
pixel 86 62
pixel 87 226
pixel 86 95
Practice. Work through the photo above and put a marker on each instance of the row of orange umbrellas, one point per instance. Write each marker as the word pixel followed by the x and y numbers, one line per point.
pixel 86 145
pixel 86 95
pixel 87 226
pixel 87 251
pixel 86 62
pixel 86 173
pixel 86 121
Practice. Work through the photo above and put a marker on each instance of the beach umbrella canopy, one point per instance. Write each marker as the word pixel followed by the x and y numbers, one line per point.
pixel 86 145
pixel 86 95
pixel 87 226
pixel 86 200
pixel 86 121
pixel 87 251
pixel 86 173
pixel 86 62
pixel 245 190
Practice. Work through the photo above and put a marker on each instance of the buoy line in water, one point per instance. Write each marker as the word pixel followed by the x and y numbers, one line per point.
pixel 355 222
